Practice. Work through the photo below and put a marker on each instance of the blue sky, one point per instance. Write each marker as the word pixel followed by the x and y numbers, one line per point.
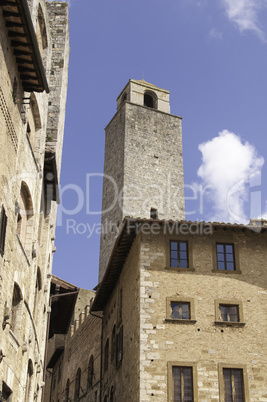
pixel 212 57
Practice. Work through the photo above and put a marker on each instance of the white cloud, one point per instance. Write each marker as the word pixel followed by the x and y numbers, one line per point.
pixel 245 15
pixel 214 33
pixel 229 167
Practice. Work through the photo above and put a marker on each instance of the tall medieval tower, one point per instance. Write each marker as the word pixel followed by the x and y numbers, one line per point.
pixel 143 171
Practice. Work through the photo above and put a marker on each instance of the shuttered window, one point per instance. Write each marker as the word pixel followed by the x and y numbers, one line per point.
pixel 3 224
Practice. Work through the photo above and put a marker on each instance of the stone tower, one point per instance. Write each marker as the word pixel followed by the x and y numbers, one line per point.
pixel 143 171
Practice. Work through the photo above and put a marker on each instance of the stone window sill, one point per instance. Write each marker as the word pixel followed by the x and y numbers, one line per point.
pixel 225 271
pixel 177 321
pixel 178 269
pixel 230 323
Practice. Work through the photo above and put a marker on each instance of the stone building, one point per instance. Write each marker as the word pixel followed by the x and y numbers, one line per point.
pixel 74 347
pixel 34 55
pixel 182 305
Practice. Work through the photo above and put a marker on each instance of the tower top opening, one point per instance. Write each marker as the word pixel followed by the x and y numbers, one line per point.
pixel 145 94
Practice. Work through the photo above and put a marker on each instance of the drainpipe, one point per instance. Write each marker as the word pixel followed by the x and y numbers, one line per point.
pixel 101 354
pixel 47 331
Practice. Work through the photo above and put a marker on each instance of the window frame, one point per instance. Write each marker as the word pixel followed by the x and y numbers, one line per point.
pixel 226 241
pixel 172 364
pixel 180 299
pixel 242 367
pixel 227 302
pixel 189 242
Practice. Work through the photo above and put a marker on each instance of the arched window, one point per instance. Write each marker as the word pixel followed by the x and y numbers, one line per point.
pixel 16 308
pixel 67 391
pixel 106 398
pixel 113 342
pixel 90 372
pixel 77 384
pixel 25 214
pixel 111 396
pixel 150 99
pixel 28 390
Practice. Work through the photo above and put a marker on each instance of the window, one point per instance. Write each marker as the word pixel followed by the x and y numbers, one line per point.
pixel 113 342
pixel 106 355
pixel 182 383
pixel 91 371
pixel 119 346
pixel 150 99
pixel 6 392
pixel 25 217
pixel 233 383
pixel 77 384
pixel 28 390
pixel 3 224
pixel 38 286
pixel 229 312
pixel 154 213
pixel 16 307
pixel 178 254
pixel 225 257
pixel 180 309
pixel 111 396
pixel 67 391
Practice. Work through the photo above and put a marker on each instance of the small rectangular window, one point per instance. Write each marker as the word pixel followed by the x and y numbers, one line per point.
pixel 229 313
pixel 225 257
pixel 233 385
pixel 178 254
pixel 3 224
pixel 180 310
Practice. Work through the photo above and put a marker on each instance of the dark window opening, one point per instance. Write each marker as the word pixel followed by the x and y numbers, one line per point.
pixel 225 257
pixel 154 213
pixel 77 384
pixel 233 385
pixel 6 392
pixel 106 355
pixel 3 224
pixel 149 101
pixel 67 391
pixel 113 342
pixel 179 254
pixel 180 310
pixel 91 371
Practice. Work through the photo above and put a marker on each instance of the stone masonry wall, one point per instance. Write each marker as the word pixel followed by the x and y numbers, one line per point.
pixel 203 342
pixel 143 157
pixel 25 261
pixel 124 377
